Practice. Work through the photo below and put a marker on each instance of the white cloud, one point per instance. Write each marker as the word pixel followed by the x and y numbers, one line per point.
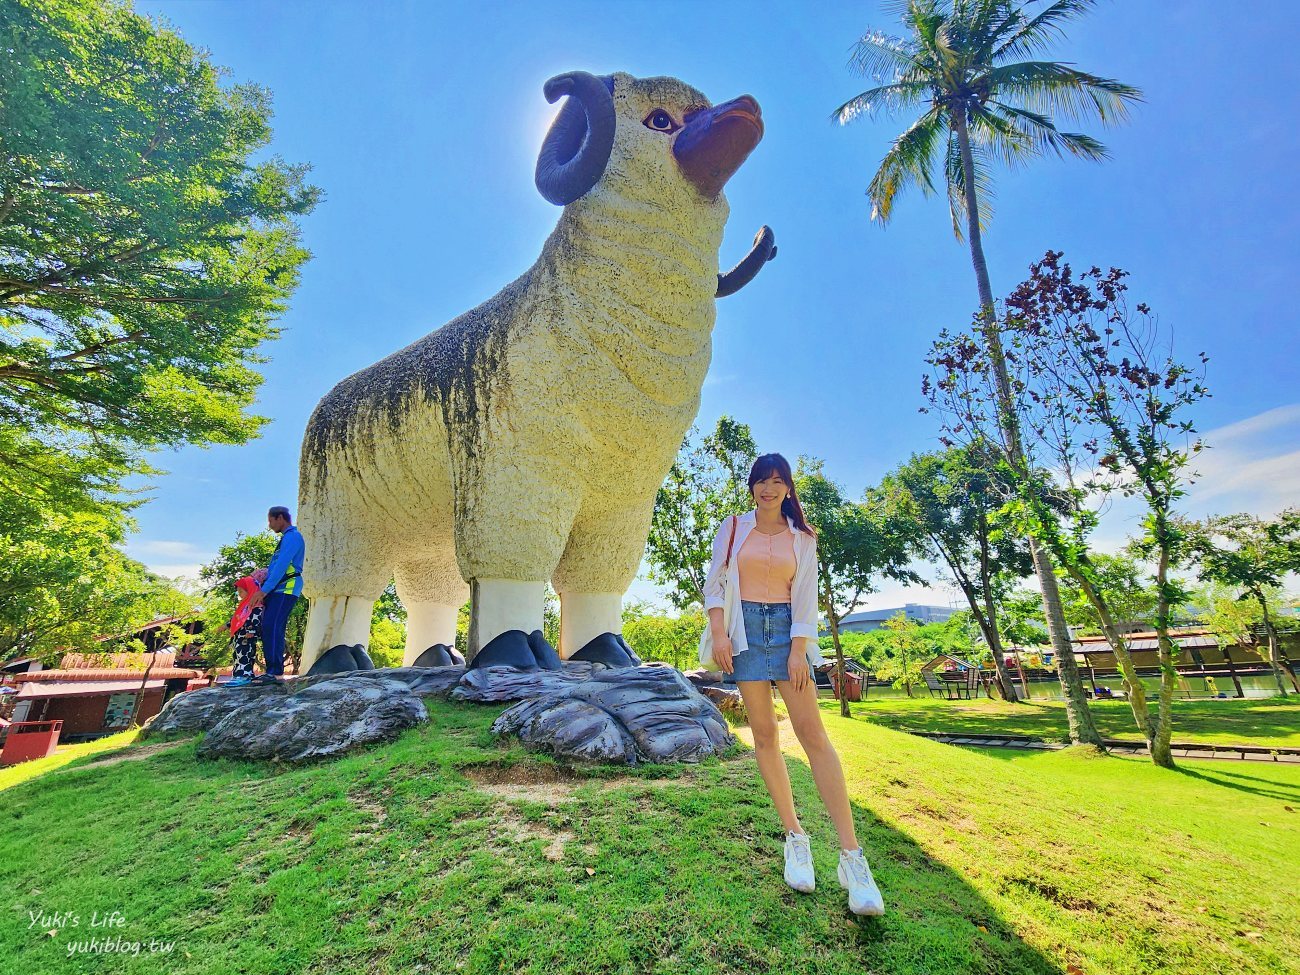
pixel 186 571
pixel 146 547
pixel 1252 465
pixel 168 557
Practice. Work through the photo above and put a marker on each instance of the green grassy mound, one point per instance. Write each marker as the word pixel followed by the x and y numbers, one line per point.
pixel 449 852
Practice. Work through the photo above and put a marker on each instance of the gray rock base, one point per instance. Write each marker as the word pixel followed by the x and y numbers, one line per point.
pixel 583 711
pixel 624 714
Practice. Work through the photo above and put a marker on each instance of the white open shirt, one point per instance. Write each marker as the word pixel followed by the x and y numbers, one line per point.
pixel 803 591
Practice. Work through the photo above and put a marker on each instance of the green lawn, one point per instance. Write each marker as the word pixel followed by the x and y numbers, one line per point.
pixel 1261 721
pixel 13 774
pixel 449 852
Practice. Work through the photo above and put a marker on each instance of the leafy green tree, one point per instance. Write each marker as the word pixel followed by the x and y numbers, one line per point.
pixel 960 62
pixel 1021 613
pixel 853 644
pixel 1253 555
pixel 672 639
pixel 708 482
pixel 64 585
pixel 953 501
pixel 387 642
pixel 857 543
pixel 902 654
pixel 389 607
pixel 1121 580
pixel 1235 619
pixel 144 254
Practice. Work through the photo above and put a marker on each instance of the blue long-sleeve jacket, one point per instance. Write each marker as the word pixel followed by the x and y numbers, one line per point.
pixel 284 574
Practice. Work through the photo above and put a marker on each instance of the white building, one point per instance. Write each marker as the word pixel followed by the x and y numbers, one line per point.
pixel 874 619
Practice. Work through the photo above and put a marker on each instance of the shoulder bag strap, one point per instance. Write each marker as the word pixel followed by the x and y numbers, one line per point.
pixel 730 540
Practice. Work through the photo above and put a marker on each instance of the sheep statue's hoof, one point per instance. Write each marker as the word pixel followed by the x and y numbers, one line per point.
pixel 609 649
pixel 515 648
pixel 438 655
pixel 341 659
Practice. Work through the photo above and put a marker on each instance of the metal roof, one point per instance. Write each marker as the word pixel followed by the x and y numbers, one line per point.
pixel 84 688
pixel 1148 641
pixel 105 673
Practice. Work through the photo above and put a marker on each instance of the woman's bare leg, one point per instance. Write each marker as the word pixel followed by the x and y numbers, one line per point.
pixel 757 695
pixel 806 719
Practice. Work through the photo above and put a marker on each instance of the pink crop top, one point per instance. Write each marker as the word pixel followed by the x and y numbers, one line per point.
pixel 766 564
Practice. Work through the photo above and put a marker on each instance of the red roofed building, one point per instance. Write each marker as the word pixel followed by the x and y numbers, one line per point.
pixel 95 694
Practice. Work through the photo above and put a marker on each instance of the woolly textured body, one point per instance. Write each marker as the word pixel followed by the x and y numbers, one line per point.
pixel 553 408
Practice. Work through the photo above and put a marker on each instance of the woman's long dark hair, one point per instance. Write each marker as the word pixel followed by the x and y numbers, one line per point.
pixel 765 467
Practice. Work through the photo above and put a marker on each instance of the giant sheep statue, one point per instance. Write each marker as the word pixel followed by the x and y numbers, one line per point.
pixel 525 440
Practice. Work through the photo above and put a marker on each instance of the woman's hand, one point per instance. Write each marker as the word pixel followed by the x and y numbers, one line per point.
pixel 722 653
pixel 797 665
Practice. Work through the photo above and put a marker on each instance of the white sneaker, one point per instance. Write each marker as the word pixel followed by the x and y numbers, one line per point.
pixel 798 862
pixel 855 877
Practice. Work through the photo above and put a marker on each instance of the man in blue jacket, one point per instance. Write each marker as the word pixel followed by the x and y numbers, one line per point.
pixel 280 590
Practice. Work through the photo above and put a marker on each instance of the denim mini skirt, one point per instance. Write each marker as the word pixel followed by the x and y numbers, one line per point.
pixel 767 632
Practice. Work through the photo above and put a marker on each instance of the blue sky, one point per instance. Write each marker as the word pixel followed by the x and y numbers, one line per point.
pixel 422 125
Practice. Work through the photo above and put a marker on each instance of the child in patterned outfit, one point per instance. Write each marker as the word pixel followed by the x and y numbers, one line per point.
pixel 246 625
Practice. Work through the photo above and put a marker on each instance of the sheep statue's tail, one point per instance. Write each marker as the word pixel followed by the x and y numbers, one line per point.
pixel 762 251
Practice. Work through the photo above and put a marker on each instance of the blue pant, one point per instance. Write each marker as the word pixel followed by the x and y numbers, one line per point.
pixel 274 618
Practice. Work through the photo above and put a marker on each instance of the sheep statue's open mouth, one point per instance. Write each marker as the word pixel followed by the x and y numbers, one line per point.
pixel 715 141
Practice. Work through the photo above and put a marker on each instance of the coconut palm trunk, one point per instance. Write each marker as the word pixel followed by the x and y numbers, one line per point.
pixel 1082 728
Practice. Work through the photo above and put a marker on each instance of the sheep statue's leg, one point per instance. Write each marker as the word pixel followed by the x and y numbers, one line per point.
pixel 432 591
pixel 510 543
pixel 428 624
pixel 501 605
pixel 585 616
pixel 599 563
pixel 335 620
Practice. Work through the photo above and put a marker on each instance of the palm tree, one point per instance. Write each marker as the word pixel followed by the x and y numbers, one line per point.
pixel 983 106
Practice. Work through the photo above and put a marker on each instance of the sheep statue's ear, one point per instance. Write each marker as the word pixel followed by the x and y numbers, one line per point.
pixel 581 138
pixel 762 251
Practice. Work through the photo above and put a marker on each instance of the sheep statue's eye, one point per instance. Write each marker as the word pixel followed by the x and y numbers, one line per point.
pixel 660 121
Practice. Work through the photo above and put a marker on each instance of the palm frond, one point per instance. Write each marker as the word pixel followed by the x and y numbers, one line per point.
pixel 1042 132
pixel 887 98
pixel 926 21
pixel 909 161
pixel 882 57
pixel 956 174
pixel 1008 139
pixel 1027 36
pixel 973 23
pixel 1049 86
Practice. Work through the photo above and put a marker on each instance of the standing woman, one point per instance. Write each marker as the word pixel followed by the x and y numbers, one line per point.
pixel 768 560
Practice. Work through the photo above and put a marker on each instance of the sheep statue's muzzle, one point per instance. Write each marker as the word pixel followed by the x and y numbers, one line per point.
pixel 715 141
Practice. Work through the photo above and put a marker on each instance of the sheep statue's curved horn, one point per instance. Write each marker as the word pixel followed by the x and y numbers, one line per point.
pixel 579 142
pixel 764 250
